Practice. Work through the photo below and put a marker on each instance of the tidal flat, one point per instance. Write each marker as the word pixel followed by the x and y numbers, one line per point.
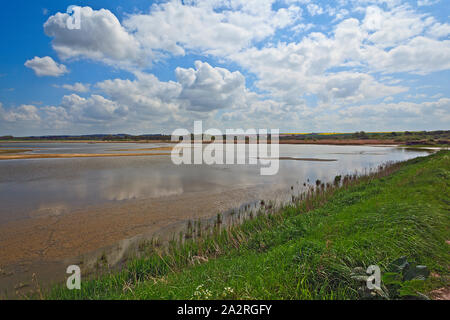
pixel 57 212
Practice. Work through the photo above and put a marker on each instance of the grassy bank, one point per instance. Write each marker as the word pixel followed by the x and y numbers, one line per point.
pixel 306 250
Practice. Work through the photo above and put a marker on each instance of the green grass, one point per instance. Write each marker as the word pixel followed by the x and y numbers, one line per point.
pixel 303 251
pixel 418 146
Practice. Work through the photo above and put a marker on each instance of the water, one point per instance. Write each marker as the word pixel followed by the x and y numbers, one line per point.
pixel 30 188
pixel 59 212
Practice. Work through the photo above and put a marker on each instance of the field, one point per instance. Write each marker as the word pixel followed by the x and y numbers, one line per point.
pixel 408 138
pixel 307 250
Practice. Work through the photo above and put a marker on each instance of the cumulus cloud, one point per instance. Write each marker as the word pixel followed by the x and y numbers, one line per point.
pixel 314 9
pixel 208 88
pixel 46 66
pixel 438 30
pixel 96 108
pixel 422 3
pixel 389 28
pixel 146 96
pixel 433 114
pixel 172 27
pixel 428 115
pixel 302 74
pixel 21 113
pixel 350 87
pixel 175 26
pixel 421 55
pixel 56 117
pixel 289 71
pixel 146 102
pixel 102 113
pixel 77 87
pixel 203 89
pixel 383 41
pixel 100 37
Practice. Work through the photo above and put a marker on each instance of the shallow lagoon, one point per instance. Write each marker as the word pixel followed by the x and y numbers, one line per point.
pixel 56 186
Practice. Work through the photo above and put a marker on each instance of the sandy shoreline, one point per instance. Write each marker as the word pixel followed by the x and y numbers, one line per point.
pixel 356 142
pixel 83 141
pixel 343 142
pixel 15 154
pixel 11 155
pixel 76 155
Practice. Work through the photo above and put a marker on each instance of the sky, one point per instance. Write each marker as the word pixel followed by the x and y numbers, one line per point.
pixel 143 67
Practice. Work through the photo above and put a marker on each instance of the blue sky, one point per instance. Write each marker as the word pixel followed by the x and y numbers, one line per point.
pixel 297 65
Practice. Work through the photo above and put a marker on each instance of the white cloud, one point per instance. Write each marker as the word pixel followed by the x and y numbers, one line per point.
pixel 196 25
pixel 390 28
pixel 439 30
pixel 146 96
pixel 331 77
pixel 208 88
pixel 388 42
pixel 170 27
pixel 437 111
pixel 77 114
pixel 314 9
pixel 46 66
pixel 202 89
pixel 429 115
pixel 347 87
pixel 146 102
pixel 21 113
pixel 421 55
pixel 100 37
pixel 96 108
pixel 56 118
pixel 289 71
pixel 422 3
pixel 77 87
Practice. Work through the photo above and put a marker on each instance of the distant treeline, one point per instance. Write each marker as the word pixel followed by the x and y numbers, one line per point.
pixel 407 137
pixel 94 137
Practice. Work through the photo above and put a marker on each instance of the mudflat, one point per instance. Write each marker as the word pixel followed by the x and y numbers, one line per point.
pixel 42 246
pixel 76 155
pixel 58 236
pixel 341 142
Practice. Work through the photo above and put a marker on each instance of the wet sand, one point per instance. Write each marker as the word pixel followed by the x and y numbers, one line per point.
pixel 46 244
pixel 343 142
pixel 56 236
pixel 148 149
pixel 76 155
pixel 8 151
pixel 17 154
pixel 300 159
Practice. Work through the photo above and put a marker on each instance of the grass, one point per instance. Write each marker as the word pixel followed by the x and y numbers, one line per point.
pixel 418 146
pixel 306 250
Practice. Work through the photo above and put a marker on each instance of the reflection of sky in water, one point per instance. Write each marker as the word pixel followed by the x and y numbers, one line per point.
pixel 61 148
pixel 54 186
